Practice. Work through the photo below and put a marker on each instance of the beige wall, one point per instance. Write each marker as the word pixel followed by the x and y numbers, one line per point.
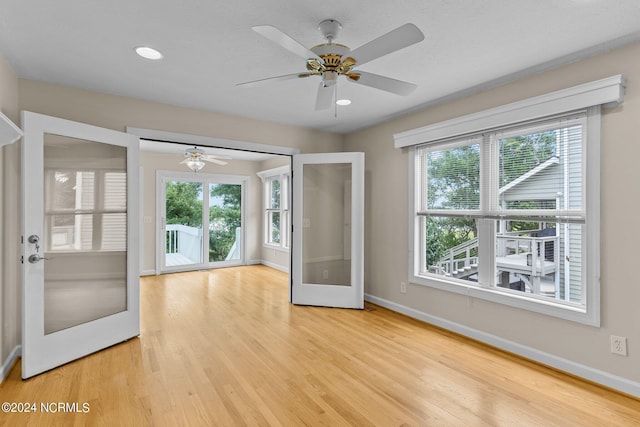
pixel 386 262
pixel 9 234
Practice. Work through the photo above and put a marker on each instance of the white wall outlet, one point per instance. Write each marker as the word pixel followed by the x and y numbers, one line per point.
pixel 325 274
pixel 403 287
pixel 619 345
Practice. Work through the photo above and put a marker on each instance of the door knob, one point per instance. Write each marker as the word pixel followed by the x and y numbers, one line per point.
pixel 33 238
pixel 34 258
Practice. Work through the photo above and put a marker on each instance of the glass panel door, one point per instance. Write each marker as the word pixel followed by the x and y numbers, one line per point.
pixel 80 248
pixel 328 212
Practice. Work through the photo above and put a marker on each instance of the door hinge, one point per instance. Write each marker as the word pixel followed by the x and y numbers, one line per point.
pixel 22 259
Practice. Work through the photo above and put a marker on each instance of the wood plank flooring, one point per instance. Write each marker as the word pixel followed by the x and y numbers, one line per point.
pixel 224 348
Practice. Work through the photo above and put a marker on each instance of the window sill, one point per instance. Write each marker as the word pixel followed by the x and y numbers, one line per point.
pixel 275 247
pixel 516 299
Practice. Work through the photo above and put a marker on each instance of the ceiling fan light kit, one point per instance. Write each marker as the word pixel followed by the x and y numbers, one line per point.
pixel 331 60
pixel 195 159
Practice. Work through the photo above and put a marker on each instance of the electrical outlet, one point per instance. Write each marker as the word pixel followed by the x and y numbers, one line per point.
pixel 619 345
pixel 325 274
pixel 403 287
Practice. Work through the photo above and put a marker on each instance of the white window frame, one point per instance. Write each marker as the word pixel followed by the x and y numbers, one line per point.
pixel 283 174
pixel 590 97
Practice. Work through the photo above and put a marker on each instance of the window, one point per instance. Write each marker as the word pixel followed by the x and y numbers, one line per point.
pixel 504 212
pixel 276 206
pixel 521 230
pixel 506 202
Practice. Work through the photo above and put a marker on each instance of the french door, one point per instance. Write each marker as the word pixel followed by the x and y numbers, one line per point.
pixel 80 240
pixel 201 219
pixel 328 230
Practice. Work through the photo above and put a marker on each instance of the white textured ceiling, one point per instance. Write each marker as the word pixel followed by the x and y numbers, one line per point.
pixel 209 47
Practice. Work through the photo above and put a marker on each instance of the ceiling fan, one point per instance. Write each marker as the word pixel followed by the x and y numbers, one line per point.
pixel 195 158
pixel 330 60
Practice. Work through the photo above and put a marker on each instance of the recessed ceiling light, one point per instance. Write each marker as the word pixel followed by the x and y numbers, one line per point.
pixel 148 53
pixel 343 102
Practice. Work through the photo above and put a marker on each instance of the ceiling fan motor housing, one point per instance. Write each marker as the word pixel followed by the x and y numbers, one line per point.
pixel 329 29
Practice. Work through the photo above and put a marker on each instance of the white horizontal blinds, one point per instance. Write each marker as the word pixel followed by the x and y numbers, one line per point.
pixel 451 177
pixel 540 170
pixel 114 216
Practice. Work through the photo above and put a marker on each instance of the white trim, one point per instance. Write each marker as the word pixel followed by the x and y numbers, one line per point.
pixel 607 91
pixel 282 170
pixel 9 362
pixel 207 141
pixel 275 247
pixel 9 131
pixel 147 273
pixel 284 269
pixel 606 379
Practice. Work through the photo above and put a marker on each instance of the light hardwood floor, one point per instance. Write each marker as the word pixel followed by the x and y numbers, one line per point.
pixel 224 347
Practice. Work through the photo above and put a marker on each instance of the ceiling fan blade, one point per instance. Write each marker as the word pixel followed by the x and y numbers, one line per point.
pixel 384 83
pixel 324 97
pixel 278 37
pixel 272 79
pixel 216 156
pixel 216 161
pixel 397 39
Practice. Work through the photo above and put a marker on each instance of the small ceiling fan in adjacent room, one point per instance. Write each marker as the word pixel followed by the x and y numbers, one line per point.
pixel 331 60
pixel 195 159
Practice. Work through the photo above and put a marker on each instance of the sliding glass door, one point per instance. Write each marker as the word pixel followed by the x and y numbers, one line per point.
pixel 201 221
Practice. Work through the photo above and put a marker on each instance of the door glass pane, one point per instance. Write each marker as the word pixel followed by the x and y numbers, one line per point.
pixel 183 235
pixel 85 233
pixel 225 222
pixel 326 252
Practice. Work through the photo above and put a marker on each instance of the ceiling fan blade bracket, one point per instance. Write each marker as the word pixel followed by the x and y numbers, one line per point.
pixel 353 76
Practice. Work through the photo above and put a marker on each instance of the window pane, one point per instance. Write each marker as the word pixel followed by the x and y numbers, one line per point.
pixel 275 194
pixel 543 259
pixel 274 227
pixel 225 222
pixel 541 170
pixel 451 246
pixel 453 178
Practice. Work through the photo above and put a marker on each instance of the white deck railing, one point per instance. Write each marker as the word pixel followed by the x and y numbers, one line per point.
pixel 187 241
pixel 184 240
pixel 464 258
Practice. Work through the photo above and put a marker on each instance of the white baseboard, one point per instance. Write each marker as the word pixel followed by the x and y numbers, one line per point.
pixel 8 363
pixel 282 268
pixel 147 273
pixel 597 376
